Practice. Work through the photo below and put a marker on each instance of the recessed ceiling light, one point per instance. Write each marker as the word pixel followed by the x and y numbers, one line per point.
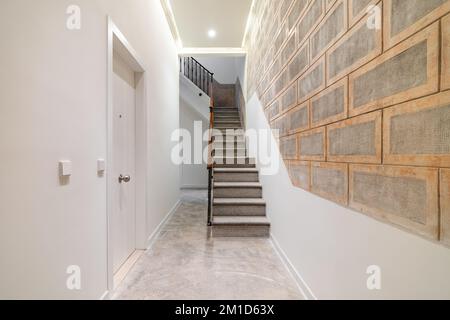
pixel 212 33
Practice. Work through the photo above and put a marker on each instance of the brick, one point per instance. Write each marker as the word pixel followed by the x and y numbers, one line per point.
pixel 289 98
pixel 356 140
pixel 330 181
pixel 299 118
pixel 408 71
pixel 445 69
pixel 280 83
pixel 312 82
pixel 311 145
pixel 358 9
pixel 399 26
pixel 296 11
pixel 330 105
pixel 445 206
pixel 289 49
pixel 354 49
pixel 275 69
pixel 300 174
pixel 288 147
pixel 403 196
pixel 313 15
pixel 281 37
pixel 282 125
pixel 273 110
pixel 299 63
pixel 333 26
pixel 418 132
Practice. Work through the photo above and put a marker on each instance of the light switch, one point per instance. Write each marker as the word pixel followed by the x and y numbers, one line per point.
pixel 101 165
pixel 65 168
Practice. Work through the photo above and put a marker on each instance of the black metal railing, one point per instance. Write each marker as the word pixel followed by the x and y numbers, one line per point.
pixel 197 73
pixel 210 156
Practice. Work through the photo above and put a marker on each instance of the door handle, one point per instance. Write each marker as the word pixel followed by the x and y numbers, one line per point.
pixel 125 179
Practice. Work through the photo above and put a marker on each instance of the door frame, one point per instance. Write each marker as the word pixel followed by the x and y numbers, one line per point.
pixel 119 44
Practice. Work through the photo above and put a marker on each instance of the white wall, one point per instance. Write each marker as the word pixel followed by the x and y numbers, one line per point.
pixel 193 107
pixel 53 107
pixel 226 69
pixel 194 176
pixel 194 97
pixel 240 65
pixel 331 246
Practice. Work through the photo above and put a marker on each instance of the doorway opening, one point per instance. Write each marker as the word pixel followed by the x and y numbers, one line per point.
pixel 127 157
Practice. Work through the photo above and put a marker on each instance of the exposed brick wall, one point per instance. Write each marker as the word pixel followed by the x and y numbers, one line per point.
pixel 363 112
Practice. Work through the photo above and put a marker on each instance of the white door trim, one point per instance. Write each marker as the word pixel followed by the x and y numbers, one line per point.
pixel 118 43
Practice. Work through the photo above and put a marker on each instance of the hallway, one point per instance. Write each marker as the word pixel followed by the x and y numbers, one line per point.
pixel 184 263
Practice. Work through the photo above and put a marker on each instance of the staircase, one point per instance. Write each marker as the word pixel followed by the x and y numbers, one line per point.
pixel 235 204
pixel 238 209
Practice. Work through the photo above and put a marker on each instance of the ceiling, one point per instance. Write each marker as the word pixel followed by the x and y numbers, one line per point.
pixel 194 18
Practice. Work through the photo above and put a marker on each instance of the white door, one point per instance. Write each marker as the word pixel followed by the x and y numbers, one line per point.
pixel 124 136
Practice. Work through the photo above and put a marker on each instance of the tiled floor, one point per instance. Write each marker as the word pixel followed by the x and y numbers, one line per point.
pixel 185 263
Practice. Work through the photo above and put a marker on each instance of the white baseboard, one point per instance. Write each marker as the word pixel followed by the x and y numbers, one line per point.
pixel 301 283
pixel 105 296
pixel 151 239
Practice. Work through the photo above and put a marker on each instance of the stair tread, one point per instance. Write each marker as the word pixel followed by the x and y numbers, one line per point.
pixel 230 134
pixel 233 148
pixel 230 151
pixel 239 201
pixel 240 220
pixel 236 170
pixel 227 116
pixel 227 127
pixel 219 138
pixel 238 184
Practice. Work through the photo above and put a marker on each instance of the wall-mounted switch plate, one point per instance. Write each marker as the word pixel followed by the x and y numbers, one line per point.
pixel 101 165
pixel 65 168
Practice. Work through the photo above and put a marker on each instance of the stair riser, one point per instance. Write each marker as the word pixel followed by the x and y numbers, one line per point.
pixel 216 107
pixel 237 192
pixel 229 131
pixel 229 145
pixel 230 152
pixel 227 116
pixel 241 231
pixel 230 117
pixel 229 124
pixel 233 161
pixel 239 210
pixel 237 166
pixel 226 111
pixel 223 139
pixel 236 177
